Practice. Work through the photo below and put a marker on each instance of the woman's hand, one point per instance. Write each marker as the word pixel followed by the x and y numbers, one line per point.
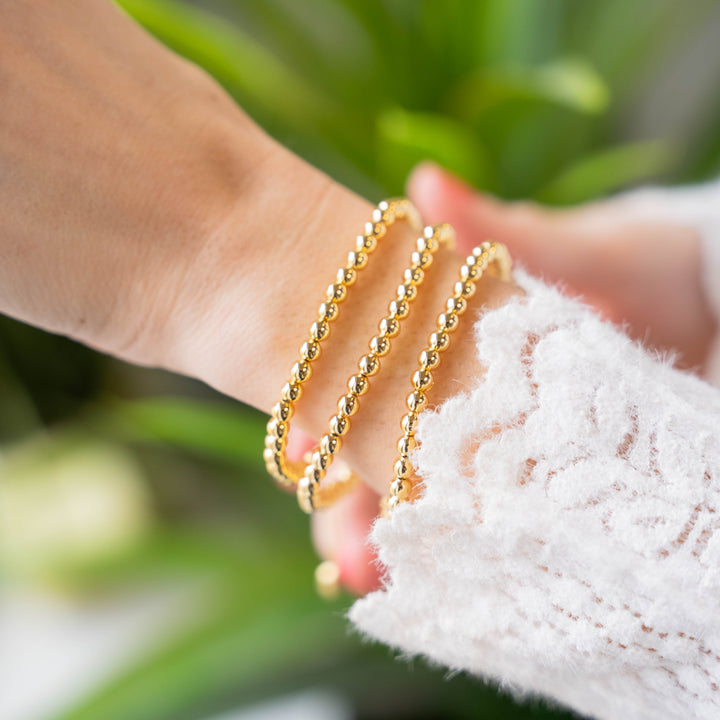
pixel 142 213
pixel 642 273
pixel 639 272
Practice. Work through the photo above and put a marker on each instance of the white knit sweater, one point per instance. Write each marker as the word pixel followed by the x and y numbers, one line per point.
pixel 567 542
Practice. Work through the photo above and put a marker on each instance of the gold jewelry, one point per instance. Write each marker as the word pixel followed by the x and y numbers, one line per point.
pixel 284 471
pixel 488 255
pixel 327 580
pixel 311 495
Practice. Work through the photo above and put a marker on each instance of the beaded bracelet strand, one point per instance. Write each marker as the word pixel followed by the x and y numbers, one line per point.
pixel 488 255
pixel 283 470
pixel 310 493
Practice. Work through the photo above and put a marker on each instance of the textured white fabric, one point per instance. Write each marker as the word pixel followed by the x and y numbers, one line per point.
pixel 567 542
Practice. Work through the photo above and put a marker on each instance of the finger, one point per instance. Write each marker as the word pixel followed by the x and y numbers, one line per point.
pixel 442 197
pixel 340 533
pixel 545 242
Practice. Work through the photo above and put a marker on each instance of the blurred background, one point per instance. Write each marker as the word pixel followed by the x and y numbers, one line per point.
pixel 149 570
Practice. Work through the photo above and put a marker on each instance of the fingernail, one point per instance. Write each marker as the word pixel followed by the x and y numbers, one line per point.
pixel 428 181
pixel 422 179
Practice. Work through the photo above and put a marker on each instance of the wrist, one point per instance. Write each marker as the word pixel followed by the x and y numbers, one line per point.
pixel 250 298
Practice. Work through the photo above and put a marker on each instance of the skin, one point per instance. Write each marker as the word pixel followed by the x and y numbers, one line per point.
pixel 636 272
pixel 145 215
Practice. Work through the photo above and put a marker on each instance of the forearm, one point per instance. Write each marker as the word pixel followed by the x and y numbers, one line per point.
pixel 145 215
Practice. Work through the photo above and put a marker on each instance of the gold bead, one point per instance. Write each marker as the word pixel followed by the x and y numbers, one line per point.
pixel 429 359
pixel 416 401
pixel 327 580
pixel 406 444
pixel 446 234
pixel 348 404
pixel 347 276
pixel 447 321
pixel 339 425
pixel 358 384
pixel 313 475
pixel 336 292
pixel 456 305
pixel 402 468
pixel 389 327
pixel 399 309
pixel 357 260
pixel 413 217
pixel 319 462
pixel 365 243
pixel 282 411
pixel 330 444
pixel 305 495
pixel 369 364
pixel 392 503
pixel 406 292
pixel 439 341
pixel 310 350
pixel 376 230
pixel 380 345
pixel 464 288
pixel 422 380
pixel 301 371
pixel 328 310
pixel 432 243
pixel 401 488
pixel 487 247
pixel 319 330
pixel 421 259
pixel 409 423
pixel 413 276
pixel 369 239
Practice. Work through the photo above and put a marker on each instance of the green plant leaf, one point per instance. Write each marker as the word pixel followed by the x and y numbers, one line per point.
pixel 407 138
pixel 568 82
pixel 244 67
pixel 229 651
pixel 510 31
pixel 214 429
pixel 608 171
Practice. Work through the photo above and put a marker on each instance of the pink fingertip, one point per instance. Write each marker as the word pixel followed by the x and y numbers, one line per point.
pixel 359 570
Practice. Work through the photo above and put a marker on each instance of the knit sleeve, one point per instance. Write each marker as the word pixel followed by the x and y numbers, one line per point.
pixel 567 541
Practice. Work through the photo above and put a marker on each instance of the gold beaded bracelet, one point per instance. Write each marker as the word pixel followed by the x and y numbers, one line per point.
pixel 488 255
pixel 311 495
pixel 283 470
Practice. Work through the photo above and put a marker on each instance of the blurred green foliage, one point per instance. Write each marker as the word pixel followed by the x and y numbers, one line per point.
pixel 523 98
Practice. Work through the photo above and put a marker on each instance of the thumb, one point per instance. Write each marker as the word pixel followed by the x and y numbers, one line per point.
pixel 443 197
pixel 538 239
